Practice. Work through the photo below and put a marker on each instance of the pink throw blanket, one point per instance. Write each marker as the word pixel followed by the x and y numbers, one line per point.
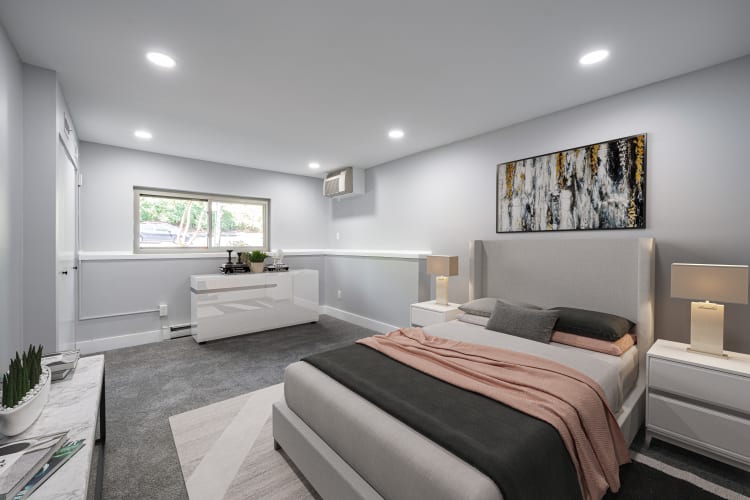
pixel 571 402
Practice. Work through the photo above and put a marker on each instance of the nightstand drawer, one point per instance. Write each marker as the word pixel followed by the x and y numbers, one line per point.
pixel 727 434
pixel 718 388
pixel 423 317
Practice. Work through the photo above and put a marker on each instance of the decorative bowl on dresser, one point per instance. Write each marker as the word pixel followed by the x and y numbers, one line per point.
pixel 699 402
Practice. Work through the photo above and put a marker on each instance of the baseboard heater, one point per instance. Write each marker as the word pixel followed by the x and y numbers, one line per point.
pixel 184 331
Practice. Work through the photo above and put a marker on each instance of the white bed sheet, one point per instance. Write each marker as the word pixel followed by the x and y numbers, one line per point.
pixel 616 375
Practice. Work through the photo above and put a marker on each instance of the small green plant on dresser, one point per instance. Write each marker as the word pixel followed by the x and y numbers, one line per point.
pixel 22 376
pixel 257 256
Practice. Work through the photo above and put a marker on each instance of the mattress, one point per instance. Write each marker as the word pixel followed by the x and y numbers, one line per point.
pixel 401 463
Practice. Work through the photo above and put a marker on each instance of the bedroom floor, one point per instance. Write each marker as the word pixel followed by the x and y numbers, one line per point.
pixel 147 384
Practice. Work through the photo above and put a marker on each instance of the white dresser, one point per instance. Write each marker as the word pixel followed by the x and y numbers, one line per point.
pixel 224 305
pixel 700 402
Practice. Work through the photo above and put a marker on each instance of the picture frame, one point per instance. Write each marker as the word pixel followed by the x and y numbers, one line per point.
pixel 593 187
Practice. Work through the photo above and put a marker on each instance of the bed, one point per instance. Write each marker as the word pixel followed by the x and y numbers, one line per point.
pixel 349 448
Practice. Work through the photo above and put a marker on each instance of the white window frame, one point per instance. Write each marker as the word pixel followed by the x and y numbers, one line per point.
pixel 167 193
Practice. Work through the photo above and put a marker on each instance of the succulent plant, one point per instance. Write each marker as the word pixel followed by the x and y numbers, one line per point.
pixel 22 376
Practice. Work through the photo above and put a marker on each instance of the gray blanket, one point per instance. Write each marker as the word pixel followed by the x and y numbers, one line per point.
pixel 524 456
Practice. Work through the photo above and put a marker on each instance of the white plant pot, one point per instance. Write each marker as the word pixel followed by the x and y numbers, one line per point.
pixel 15 420
pixel 257 267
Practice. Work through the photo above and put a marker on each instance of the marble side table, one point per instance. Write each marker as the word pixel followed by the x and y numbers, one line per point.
pixel 75 405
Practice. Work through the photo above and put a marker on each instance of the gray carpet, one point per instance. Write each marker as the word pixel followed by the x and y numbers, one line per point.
pixel 148 384
pixel 145 385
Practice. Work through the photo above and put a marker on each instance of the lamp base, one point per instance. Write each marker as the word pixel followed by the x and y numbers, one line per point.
pixel 722 355
pixel 707 328
pixel 441 290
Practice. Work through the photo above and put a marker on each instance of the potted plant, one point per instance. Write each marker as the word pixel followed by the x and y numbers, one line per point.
pixel 25 391
pixel 257 258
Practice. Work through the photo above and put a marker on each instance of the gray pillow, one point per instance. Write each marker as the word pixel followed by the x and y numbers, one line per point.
pixel 532 324
pixel 485 306
pixel 594 324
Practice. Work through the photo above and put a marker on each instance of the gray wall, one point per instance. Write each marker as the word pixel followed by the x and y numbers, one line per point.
pixel 299 213
pixel 374 287
pixel 299 219
pixel 40 103
pixel 697 185
pixel 122 297
pixel 11 185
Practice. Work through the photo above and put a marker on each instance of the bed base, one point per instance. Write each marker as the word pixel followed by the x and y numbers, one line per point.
pixel 328 473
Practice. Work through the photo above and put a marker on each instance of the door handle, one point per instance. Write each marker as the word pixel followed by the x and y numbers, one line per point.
pixel 64 272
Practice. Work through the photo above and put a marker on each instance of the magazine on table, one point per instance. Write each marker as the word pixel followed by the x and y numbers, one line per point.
pixel 55 462
pixel 61 363
pixel 22 458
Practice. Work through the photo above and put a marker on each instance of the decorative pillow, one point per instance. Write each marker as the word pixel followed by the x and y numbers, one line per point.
pixel 485 306
pixel 532 324
pixel 593 324
pixel 473 319
pixel 616 348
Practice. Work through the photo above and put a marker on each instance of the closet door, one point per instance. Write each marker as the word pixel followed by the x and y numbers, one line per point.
pixel 67 256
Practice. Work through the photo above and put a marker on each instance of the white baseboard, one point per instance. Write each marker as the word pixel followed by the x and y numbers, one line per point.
pixel 109 343
pixel 358 320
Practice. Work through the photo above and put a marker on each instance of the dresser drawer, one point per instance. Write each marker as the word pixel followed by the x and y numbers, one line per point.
pixel 723 433
pixel 721 389
pixel 424 317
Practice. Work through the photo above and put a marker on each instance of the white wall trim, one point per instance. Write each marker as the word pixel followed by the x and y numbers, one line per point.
pixel 358 320
pixel 389 254
pixel 118 342
pixel 86 256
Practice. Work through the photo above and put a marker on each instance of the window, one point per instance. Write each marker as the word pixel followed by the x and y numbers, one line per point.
pixel 166 221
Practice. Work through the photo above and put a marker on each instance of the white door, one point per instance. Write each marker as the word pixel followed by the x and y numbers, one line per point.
pixel 67 256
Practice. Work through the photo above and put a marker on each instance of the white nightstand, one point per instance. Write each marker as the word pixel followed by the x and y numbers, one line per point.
pixel 699 402
pixel 429 313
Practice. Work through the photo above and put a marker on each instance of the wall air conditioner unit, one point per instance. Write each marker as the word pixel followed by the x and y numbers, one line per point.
pixel 344 183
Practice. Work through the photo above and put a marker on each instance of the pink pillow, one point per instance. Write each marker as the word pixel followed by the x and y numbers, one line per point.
pixel 613 348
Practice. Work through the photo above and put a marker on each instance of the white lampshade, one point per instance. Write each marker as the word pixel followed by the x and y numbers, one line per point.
pixel 442 265
pixel 712 282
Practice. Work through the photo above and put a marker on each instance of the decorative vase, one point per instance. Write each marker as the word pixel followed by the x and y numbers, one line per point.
pixel 257 267
pixel 15 420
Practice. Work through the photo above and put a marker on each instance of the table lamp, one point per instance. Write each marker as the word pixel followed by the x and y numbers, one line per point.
pixel 442 266
pixel 710 283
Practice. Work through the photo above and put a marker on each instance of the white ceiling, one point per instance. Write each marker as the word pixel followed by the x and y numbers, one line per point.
pixel 277 84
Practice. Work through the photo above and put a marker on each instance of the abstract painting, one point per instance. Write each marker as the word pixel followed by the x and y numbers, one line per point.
pixel 599 186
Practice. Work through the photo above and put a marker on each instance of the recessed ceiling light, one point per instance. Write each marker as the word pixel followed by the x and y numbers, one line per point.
pixel 314 165
pixel 396 133
pixel 160 59
pixel 143 134
pixel 594 57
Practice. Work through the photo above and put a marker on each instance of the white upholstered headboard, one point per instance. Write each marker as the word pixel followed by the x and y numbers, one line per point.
pixel 614 275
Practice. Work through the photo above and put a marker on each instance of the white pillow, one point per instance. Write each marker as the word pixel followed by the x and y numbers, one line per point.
pixel 473 319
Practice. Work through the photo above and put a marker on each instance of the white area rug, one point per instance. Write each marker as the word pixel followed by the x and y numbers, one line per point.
pixel 226 451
